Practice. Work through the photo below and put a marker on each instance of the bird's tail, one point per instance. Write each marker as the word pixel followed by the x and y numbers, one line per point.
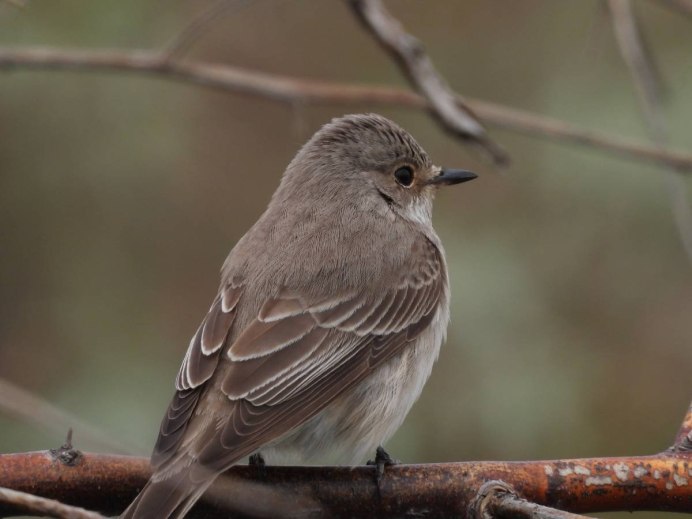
pixel 169 498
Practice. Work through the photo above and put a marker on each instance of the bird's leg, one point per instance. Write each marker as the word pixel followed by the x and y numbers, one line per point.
pixel 382 460
pixel 256 460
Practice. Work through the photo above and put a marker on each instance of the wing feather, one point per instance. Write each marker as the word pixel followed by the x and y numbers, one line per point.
pixel 215 328
pixel 244 377
pixel 262 338
pixel 250 426
pixel 296 356
pixel 197 367
pixel 375 317
pixel 392 313
pixel 360 316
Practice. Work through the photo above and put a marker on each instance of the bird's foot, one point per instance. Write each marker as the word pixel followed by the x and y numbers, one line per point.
pixel 256 460
pixel 382 460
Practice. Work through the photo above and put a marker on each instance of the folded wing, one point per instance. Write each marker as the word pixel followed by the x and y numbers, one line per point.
pixel 297 356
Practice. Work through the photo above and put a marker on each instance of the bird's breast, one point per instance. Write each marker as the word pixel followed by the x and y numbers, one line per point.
pixel 350 428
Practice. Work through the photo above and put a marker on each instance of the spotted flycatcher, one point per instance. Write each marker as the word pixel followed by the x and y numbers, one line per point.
pixel 330 315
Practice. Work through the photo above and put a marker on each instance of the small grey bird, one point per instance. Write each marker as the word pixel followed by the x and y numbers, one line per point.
pixel 330 315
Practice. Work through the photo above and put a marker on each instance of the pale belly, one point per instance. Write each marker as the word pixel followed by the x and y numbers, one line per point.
pixel 349 430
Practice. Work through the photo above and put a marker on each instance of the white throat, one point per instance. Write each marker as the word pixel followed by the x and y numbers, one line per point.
pixel 420 211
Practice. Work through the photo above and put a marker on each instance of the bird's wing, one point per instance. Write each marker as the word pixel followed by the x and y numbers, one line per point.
pixel 199 364
pixel 297 355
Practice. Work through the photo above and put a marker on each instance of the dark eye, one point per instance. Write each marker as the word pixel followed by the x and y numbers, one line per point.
pixel 404 176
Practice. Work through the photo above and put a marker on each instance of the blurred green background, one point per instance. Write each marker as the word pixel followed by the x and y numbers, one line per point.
pixel 120 196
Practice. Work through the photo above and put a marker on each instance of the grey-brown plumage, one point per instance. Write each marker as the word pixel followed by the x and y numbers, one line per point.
pixel 329 317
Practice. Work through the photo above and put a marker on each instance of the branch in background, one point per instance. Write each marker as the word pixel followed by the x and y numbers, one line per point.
pixel 194 30
pixel 34 505
pixel 289 89
pixel 19 4
pixel 449 109
pixel 682 6
pixel 647 85
pixel 35 410
pixel 645 76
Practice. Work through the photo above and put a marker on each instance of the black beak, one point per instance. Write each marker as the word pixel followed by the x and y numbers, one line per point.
pixel 447 177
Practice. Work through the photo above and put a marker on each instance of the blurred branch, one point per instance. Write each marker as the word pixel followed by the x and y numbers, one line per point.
pixel 640 64
pixel 35 410
pixel 19 4
pixel 682 6
pixel 194 30
pixel 647 85
pixel 449 108
pixel 34 505
pixel 289 89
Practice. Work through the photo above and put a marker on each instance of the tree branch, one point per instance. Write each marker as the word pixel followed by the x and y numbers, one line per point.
pixel 34 505
pixel 645 77
pixel 449 109
pixel 289 89
pixel 640 64
pixel 497 500
pixel 108 483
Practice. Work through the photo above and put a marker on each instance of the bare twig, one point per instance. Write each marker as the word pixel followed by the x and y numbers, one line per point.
pixel 35 505
pixel 450 109
pixel 497 500
pixel 640 64
pixel 182 41
pixel 647 85
pixel 289 89
pixel 108 484
pixel 33 409
pixel 529 123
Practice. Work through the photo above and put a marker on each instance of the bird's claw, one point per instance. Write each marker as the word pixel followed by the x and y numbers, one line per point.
pixel 256 460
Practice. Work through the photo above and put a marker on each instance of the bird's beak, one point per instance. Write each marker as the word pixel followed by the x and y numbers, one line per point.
pixel 448 176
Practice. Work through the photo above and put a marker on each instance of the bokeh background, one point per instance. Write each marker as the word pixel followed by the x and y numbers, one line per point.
pixel 120 196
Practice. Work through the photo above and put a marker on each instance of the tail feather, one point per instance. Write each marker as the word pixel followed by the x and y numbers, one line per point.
pixel 169 498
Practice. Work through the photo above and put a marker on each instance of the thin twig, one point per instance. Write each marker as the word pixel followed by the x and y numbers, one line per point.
pixel 299 90
pixel 449 108
pixel 640 65
pixel 182 41
pixel 35 410
pixel 498 500
pixel 647 85
pixel 29 503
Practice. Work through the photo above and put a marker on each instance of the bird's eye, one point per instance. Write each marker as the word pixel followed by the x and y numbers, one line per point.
pixel 404 176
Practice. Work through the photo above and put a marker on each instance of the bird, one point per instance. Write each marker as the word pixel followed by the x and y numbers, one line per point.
pixel 330 314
